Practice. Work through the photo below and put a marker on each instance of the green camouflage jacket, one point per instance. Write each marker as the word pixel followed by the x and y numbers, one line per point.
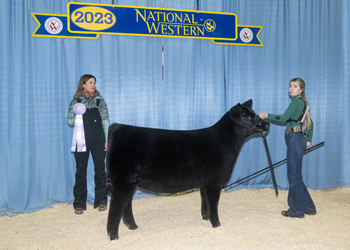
pixel 102 108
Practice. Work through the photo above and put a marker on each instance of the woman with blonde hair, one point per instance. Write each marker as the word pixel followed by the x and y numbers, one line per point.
pixel 299 199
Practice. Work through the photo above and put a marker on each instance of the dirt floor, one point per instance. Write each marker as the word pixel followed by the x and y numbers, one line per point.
pixel 250 219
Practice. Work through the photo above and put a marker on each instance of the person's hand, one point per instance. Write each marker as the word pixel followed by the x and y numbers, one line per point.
pixel 106 144
pixel 308 146
pixel 262 115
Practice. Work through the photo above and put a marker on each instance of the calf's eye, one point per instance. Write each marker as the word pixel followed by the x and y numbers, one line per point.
pixel 248 117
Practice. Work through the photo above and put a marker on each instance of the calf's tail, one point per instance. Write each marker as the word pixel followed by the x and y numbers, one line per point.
pixel 109 185
pixel 110 141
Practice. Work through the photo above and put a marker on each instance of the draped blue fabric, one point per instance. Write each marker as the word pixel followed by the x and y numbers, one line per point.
pixel 202 81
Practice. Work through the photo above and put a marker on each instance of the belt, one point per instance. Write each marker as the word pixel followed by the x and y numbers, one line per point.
pixel 297 129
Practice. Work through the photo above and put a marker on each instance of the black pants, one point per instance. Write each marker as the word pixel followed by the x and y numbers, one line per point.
pixel 95 143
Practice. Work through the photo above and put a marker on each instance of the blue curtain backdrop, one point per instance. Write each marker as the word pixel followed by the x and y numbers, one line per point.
pixel 202 81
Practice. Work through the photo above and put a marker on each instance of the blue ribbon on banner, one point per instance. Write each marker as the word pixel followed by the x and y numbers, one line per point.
pixel 247 36
pixel 55 25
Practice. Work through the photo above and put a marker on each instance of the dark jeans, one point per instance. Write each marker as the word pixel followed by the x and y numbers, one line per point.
pixel 299 199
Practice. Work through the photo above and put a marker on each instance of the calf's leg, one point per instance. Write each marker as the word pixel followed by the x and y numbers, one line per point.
pixel 204 208
pixel 119 201
pixel 128 216
pixel 212 195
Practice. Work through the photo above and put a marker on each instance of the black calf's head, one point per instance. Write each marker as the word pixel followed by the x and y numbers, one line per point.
pixel 244 116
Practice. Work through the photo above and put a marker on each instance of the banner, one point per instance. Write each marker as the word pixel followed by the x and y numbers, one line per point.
pixel 86 20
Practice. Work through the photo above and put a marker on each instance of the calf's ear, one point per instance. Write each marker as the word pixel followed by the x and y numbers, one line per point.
pixel 248 103
pixel 235 112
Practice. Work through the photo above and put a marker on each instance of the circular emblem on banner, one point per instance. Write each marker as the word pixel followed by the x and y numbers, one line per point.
pixel 79 108
pixel 246 35
pixel 53 25
pixel 210 25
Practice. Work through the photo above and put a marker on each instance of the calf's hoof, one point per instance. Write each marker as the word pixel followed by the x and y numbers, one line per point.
pixel 133 227
pixel 113 236
pixel 205 217
pixel 216 224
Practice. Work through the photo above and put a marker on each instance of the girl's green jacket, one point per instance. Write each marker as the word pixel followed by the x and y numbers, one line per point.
pixel 293 111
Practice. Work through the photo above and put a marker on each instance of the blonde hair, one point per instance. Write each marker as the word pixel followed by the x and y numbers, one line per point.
pixel 80 87
pixel 301 83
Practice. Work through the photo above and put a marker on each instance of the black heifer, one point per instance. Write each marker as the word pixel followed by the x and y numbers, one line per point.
pixel 169 161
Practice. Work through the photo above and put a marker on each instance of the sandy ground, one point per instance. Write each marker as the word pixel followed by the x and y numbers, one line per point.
pixel 250 219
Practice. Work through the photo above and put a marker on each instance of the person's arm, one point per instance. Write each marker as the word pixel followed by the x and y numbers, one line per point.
pixel 309 136
pixel 71 114
pixel 105 118
pixel 287 114
pixel 105 121
pixel 310 132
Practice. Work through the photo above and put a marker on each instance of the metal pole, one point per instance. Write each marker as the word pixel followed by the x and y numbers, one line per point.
pixel 270 163
pixel 252 176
